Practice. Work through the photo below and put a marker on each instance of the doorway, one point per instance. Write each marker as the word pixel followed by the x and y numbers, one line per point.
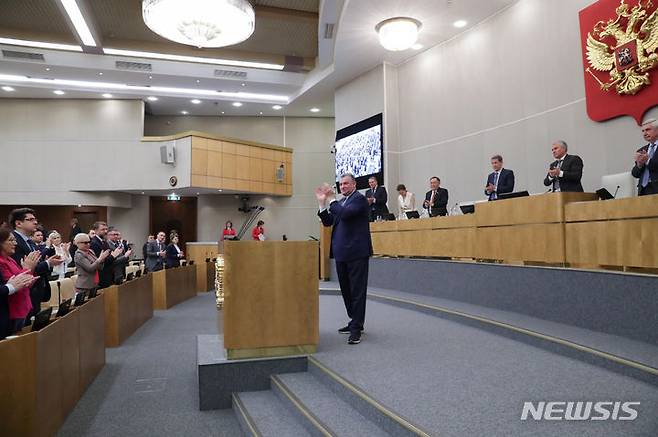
pixel 174 215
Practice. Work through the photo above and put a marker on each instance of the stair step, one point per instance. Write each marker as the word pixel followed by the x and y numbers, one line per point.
pixel 337 416
pixel 261 413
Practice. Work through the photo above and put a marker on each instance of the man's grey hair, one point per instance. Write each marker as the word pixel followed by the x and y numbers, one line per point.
pixel 348 175
pixel 652 122
pixel 562 144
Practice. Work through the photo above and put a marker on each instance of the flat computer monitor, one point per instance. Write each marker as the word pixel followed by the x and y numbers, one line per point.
pixel 93 292
pixel 191 263
pixel 138 273
pixel 130 276
pixel 621 185
pixel 513 195
pixel 42 319
pixel 412 214
pixel 80 298
pixel 389 217
pixel 64 308
pixel 467 209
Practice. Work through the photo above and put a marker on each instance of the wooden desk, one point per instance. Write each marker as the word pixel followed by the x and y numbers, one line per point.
pixel 43 374
pixel 199 252
pixel 613 233
pixel 173 286
pixel 271 301
pixel 325 251
pixel 127 307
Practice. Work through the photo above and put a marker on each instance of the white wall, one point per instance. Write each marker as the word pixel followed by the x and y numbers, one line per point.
pixel 511 85
pixel 311 140
pixel 132 222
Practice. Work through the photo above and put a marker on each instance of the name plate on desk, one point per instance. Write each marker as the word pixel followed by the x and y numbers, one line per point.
pixel 271 298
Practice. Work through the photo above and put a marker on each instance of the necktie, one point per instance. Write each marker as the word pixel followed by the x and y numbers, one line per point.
pixel 556 181
pixel 432 199
pixel 645 174
pixel 493 195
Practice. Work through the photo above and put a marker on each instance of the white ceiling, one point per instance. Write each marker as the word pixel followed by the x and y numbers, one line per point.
pixel 355 51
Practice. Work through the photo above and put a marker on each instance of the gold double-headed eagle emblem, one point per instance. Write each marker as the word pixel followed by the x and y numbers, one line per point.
pixel 625 47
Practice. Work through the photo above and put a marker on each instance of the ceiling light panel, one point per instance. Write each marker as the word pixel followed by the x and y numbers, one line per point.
pixel 193 59
pixel 40 44
pixel 79 22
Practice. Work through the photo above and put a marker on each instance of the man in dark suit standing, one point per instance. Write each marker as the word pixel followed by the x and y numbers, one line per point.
pixel 565 173
pixel 99 244
pixel 24 222
pixel 155 253
pixel 501 181
pixel 119 266
pixel 377 198
pixel 436 199
pixel 646 161
pixel 351 247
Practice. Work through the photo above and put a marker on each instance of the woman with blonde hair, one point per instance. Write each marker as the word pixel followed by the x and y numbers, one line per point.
pixel 88 264
pixel 55 246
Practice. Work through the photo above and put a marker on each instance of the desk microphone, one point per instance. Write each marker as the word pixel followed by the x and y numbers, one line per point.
pixel 614 196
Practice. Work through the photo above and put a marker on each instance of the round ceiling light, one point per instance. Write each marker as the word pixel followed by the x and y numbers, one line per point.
pixel 200 23
pixel 399 33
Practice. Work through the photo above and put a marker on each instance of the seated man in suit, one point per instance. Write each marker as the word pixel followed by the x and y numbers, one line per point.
pixel 377 198
pixel 436 199
pixel 565 173
pixel 646 161
pixel 501 181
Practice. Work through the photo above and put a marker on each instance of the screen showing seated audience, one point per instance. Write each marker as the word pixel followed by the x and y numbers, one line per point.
pixel 359 150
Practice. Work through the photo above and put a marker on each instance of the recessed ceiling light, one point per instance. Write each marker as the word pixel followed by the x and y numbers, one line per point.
pixel 243 84
pixel 236 104
pixel 100 73
pixel 314 109
pixel 398 33
pixel 81 27
pixel 277 107
pixel 197 81
pixel 150 77
pixel 152 99
pixel 142 192
pixel 260 113
pixel 8 89
pixel 40 44
pixel 195 101
pixel 460 23
pixel 59 92
pixel 219 191
pixel 417 46
pixel 197 194
pixel 184 112
pixel 107 95
pixel 195 59
pixel 47 68
pixel 222 112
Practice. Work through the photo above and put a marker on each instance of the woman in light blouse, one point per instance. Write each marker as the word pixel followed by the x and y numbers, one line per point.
pixel 54 246
pixel 406 202
pixel 87 264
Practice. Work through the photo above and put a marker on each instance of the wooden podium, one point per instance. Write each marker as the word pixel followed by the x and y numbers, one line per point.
pixel 271 298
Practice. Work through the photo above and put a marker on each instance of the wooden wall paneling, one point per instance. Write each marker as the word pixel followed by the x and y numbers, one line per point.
pixel 229 163
pixel 214 164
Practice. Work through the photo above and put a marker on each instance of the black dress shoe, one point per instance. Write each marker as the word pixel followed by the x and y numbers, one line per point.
pixel 346 330
pixel 355 338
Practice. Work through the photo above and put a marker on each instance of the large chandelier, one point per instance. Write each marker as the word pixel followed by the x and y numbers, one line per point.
pixel 200 23
pixel 399 33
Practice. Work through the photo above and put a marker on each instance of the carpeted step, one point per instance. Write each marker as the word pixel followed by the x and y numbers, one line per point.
pixel 261 413
pixel 322 409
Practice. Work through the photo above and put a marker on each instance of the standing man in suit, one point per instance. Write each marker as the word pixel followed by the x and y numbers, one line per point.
pixel 119 266
pixel 351 247
pixel 377 198
pixel 501 181
pixel 565 173
pixel 98 245
pixel 155 253
pixel 646 161
pixel 436 199
pixel 24 222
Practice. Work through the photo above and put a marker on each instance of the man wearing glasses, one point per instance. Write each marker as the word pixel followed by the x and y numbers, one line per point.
pixel 24 222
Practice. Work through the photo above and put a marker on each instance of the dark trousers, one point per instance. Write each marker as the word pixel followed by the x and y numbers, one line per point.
pixel 651 188
pixel 353 280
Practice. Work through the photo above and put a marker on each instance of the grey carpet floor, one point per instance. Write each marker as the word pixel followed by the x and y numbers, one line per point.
pixel 454 380
pixel 148 386
pixel 639 351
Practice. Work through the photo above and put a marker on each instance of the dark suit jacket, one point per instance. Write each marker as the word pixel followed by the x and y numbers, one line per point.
pixel 652 165
pixel 119 264
pixel 505 182
pixel 106 274
pixel 4 309
pixel 350 237
pixel 40 290
pixel 440 206
pixel 572 168
pixel 379 208
pixel 171 257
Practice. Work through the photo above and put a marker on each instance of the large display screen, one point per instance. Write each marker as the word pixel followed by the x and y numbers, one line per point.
pixel 359 150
